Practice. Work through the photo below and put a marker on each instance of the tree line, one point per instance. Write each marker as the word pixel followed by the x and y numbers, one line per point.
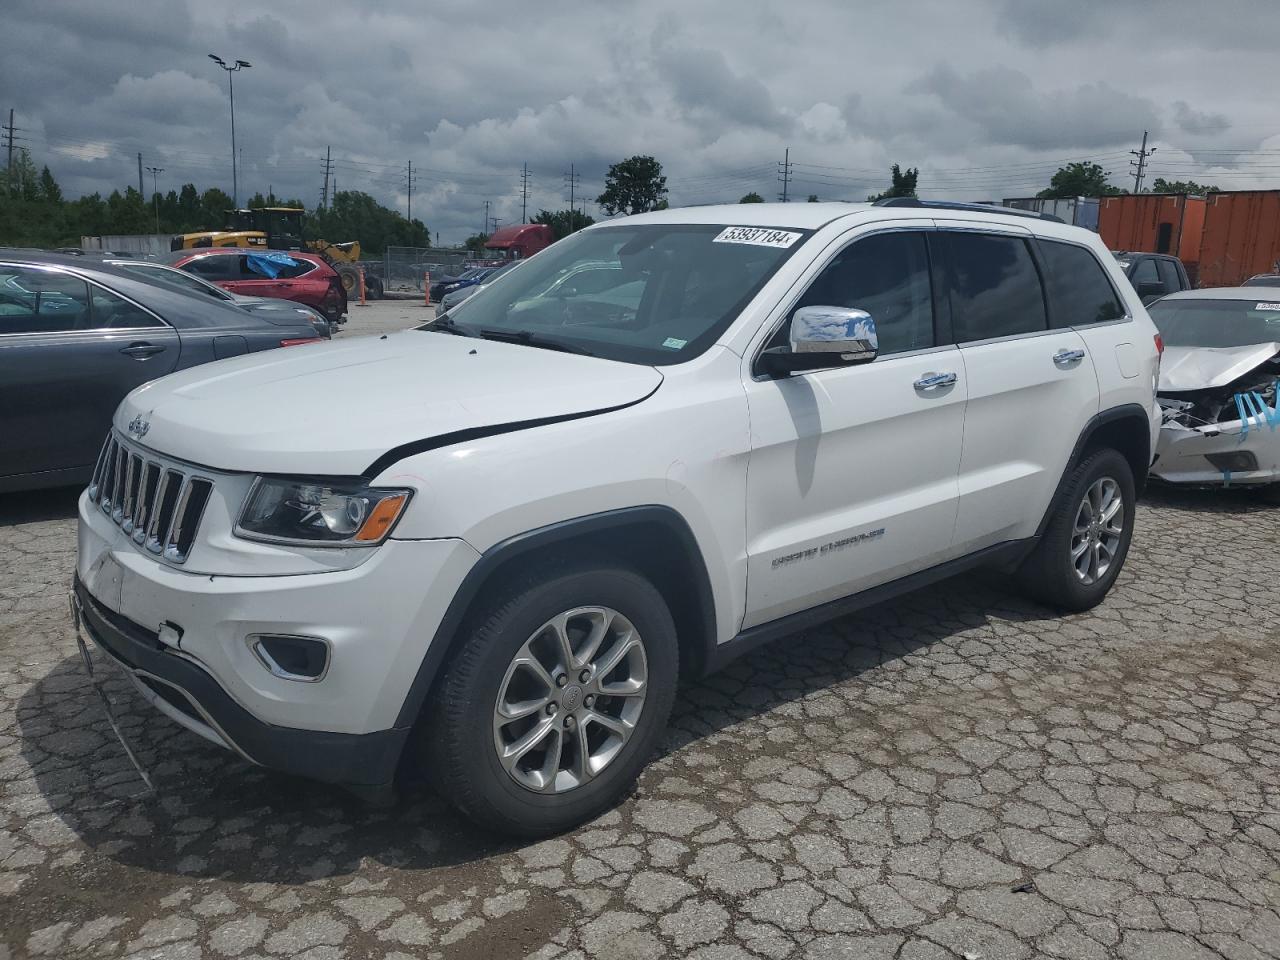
pixel 34 213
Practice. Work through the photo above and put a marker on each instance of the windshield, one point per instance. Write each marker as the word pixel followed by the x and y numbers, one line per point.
pixel 1216 323
pixel 651 293
pixel 174 278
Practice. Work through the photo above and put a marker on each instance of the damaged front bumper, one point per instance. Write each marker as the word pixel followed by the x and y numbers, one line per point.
pixel 1230 454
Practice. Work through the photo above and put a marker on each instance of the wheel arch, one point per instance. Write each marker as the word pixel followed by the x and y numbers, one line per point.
pixel 653 538
pixel 1126 429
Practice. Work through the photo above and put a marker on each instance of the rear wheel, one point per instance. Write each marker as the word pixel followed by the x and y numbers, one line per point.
pixel 350 278
pixel 556 700
pixel 1087 538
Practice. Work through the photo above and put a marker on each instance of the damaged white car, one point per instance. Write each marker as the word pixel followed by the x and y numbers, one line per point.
pixel 1218 388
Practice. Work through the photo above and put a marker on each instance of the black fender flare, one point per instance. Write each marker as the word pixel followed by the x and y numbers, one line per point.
pixel 442 642
pixel 1126 411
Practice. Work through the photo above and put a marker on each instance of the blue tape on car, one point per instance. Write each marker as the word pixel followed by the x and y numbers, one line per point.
pixel 1244 420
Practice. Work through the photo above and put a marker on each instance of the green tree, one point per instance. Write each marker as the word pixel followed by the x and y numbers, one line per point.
pixel 22 181
pixel 355 215
pixel 902 184
pixel 129 213
pixel 634 185
pixel 563 222
pixel 813 198
pixel 475 243
pixel 1079 180
pixel 752 197
pixel 189 211
pixel 50 192
pixel 214 204
pixel 1161 185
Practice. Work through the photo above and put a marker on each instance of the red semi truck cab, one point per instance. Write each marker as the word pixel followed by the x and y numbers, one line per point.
pixel 518 242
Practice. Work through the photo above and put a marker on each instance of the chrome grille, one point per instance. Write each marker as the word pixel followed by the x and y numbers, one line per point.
pixel 158 504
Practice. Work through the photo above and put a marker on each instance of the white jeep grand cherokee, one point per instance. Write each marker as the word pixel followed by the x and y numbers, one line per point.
pixel 490 547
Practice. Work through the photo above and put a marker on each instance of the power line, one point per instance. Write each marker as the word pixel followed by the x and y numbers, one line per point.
pixel 572 179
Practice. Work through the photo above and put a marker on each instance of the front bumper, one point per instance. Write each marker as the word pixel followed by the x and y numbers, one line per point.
pixel 1183 455
pixel 187 693
pixel 183 636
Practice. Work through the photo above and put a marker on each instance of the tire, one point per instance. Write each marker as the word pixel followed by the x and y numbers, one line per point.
pixel 350 278
pixel 1049 574
pixel 373 288
pixel 460 745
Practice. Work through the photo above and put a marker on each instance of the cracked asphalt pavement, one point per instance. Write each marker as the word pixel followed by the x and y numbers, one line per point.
pixel 959 773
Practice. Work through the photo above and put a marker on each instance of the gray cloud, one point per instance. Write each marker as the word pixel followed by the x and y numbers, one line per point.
pixel 986 97
pixel 1006 109
pixel 1198 122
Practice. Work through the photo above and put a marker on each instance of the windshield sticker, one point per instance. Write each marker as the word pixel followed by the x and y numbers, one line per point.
pixel 757 236
pixel 671 343
pixel 1267 306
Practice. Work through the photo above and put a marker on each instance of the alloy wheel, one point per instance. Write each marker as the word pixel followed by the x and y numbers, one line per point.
pixel 1098 530
pixel 570 699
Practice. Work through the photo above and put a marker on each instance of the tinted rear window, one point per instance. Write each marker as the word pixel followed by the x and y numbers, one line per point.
pixel 995 287
pixel 1079 290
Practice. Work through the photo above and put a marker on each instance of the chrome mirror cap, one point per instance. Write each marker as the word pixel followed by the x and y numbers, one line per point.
pixel 844 330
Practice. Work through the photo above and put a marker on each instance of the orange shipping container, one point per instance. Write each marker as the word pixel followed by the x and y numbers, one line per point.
pixel 1241 237
pixel 1154 223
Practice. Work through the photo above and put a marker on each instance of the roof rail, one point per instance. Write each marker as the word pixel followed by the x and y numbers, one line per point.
pixel 955 205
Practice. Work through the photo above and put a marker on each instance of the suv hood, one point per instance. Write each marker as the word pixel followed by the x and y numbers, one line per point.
pixel 1206 368
pixel 335 408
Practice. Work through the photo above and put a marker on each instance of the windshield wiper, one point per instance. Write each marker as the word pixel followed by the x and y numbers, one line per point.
pixel 446 325
pixel 531 339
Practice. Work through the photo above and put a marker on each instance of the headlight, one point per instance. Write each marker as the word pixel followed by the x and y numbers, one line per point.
pixel 320 514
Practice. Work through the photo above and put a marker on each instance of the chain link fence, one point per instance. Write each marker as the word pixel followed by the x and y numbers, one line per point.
pixel 401 269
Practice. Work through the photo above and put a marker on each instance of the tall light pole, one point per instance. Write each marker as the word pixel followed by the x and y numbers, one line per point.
pixel 239 65
pixel 155 191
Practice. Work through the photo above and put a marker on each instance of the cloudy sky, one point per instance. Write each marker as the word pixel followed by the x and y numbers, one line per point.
pixel 986 97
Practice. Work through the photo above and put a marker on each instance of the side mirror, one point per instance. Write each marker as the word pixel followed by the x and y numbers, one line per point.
pixel 823 337
pixel 1150 288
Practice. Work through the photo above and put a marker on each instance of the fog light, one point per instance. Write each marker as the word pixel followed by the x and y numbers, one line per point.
pixel 1237 461
pixel 304 659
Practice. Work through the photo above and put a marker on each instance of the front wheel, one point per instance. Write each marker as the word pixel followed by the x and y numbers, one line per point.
pixel 1087 538
pixel 556 700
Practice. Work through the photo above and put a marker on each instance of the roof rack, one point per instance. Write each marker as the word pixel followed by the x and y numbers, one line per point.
pixel 954 205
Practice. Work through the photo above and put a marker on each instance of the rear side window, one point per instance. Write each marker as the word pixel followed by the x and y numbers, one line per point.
pixel 212 268
pixel 111 312
pixel 1145 272
pixel 1169 275
pixel 1079 291
pixel 995 287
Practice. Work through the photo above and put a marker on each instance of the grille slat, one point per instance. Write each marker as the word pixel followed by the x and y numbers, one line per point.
pixel 158 505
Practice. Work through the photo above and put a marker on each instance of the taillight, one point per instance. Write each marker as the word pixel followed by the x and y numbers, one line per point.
pixel 299 341
pixel 1159 345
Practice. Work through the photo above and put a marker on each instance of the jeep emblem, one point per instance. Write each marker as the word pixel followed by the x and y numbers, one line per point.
pixel 138 427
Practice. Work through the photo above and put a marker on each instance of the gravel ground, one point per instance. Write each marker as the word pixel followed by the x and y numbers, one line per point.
pixel 956 774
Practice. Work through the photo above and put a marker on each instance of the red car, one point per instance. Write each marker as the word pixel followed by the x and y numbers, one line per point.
pixel 286 275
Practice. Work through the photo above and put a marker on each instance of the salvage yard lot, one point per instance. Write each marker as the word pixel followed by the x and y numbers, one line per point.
pixel 958 773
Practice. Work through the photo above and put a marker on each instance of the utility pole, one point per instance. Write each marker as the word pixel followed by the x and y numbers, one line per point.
pixel 155 191
pixel 784 171
pixel 572 178
pixel 485 228
pixel 409 206
pixel 9 132
pixel 1140 165
pixel 524 194
pixel 328 168
pixel 141 190
pixel 495 222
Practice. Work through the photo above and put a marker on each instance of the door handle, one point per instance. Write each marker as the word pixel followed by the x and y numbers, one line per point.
pixel 1064 357
pixel 932 381
pixel 140 351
